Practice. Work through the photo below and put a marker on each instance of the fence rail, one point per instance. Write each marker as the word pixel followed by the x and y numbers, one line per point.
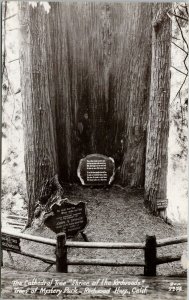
pixel 103 245
pixel 17 217
pixel 172 241
pixel 167 259
pixel 150 252
pixel 16 221
pixel 72 244
pixel 32 238
pixel 104 262
pixel 45 259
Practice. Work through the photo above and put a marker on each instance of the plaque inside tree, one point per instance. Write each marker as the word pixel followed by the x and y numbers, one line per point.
pixel 96 169
pixel 67 217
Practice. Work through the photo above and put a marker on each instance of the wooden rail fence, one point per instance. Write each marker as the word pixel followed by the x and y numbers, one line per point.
pixel 16 221
pixel 150 252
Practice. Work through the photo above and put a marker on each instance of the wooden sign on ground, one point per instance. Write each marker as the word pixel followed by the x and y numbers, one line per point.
pixel 96 169
pixel 67 217
pixel 10 243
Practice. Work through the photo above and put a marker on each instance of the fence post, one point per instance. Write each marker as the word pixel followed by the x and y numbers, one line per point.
pixel 61 253
pixel 1 256
pixel 1 246
pixel 150 256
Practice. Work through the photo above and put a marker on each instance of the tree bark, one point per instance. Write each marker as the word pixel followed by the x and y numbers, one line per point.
pixel 102 69
pixel 85 88
pixel 158 123
pixel 39 135
pixel 138 83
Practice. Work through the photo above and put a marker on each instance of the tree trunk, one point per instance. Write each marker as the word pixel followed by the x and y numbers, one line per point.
pixel 39 135
pixel 102 69
pixel 85 88
pixel 138 80
pixel 158 123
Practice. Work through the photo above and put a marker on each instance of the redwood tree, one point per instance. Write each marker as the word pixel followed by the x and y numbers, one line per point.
pixel 158 123
pixel 138 83
pixel 102 67
pixel 39 134
pixel 83 59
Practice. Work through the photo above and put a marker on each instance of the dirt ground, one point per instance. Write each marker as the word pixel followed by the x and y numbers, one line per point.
pixel 114 214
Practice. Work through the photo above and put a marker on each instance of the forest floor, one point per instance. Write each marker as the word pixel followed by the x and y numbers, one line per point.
pixel 114 214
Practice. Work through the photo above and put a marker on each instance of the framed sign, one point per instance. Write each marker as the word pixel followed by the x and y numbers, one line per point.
pixel 67 217
pixel 96 169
